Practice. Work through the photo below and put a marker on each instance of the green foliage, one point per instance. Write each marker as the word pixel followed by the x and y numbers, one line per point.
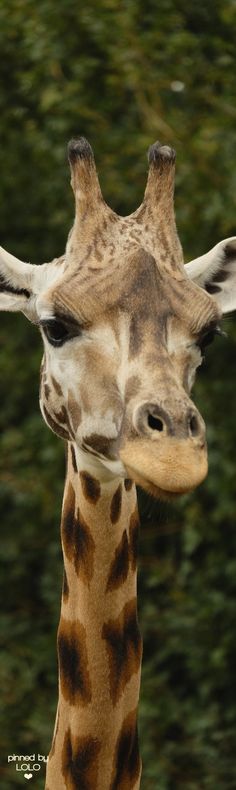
pixel 122 74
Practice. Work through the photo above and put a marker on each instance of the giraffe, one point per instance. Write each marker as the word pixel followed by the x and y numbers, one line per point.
pixel 124 325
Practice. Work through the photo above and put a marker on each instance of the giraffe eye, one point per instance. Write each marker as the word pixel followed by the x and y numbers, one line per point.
pixel 208 337
pixel 56 332
pixel 206 340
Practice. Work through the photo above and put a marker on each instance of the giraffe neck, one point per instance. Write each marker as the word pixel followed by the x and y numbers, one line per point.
pixel 95 745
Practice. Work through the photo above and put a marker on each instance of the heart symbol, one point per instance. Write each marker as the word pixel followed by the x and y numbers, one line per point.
pixel 28 776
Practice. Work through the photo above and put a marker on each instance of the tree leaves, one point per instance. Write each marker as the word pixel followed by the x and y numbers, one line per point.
pixel 109 71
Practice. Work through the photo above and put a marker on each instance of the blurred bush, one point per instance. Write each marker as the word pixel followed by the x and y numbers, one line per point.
pixel 123 74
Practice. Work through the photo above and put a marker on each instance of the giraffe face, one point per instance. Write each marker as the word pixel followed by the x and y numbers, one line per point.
pixel 119 363
pixel 124 325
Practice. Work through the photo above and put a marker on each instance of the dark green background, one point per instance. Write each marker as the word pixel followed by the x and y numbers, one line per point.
pixel 110 70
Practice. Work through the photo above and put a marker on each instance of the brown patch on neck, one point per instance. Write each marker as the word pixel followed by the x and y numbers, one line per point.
pixel 65 587
pixel 124 648
pixel 127 762
pixel 78 543
pixel 116 505
pixel 73 663
pixel 80 762
pixel 128 484
pixel 91 487
pixel 73 458
pixel 120 566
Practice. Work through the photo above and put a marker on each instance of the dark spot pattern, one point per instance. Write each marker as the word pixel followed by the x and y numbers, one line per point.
pixel 73 458
pixel 128 484
pixel 47 391
pixel 65 587
pixel 80 762
pixel 63 417
pixel 101 445
pixel 78 543
pixel 91 487
pixel 220 276
pixel 68 515
pixel 133 538
pixel 120 566
pixel 55 427
pixel 116 505
pixel 73 663
pixel 127 762
pixel 5 286
pixel 212 289
pixel 75 411
pixel 56 386
pixel 230 251
pixel 124 648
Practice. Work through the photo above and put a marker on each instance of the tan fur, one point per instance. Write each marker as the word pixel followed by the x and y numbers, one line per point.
pixel 101 699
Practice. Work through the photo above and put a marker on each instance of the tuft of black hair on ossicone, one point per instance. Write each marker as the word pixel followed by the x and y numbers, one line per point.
pixel 161 154
pixel 79 148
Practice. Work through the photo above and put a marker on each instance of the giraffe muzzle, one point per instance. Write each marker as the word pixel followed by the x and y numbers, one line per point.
pixel 167 455
pixel 165 468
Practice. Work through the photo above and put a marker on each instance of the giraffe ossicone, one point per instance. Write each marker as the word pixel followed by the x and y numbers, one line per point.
pixel 124 323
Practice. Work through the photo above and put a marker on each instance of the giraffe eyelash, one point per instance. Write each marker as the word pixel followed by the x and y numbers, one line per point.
pixel 59 332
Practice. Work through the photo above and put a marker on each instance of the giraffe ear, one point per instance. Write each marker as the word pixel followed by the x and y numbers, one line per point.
pixel 216 273
pixel 21 283
pixel 16 285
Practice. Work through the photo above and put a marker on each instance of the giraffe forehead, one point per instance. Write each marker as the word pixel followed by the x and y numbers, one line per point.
pixel 87 294
pixel 90 290
pixel 136 285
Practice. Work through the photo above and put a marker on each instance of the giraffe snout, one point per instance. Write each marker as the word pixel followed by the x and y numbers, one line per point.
pixel 168 453
pixel 154 420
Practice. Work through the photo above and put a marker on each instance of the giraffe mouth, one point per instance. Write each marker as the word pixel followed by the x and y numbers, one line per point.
pixel 154 490
pixel 168 469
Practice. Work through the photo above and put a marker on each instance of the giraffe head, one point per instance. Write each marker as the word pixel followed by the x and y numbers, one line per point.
pixel 124 325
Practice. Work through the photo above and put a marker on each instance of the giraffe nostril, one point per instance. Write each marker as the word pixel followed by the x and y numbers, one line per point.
pixel 151 417
pixel 194 425
pixel 155 423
